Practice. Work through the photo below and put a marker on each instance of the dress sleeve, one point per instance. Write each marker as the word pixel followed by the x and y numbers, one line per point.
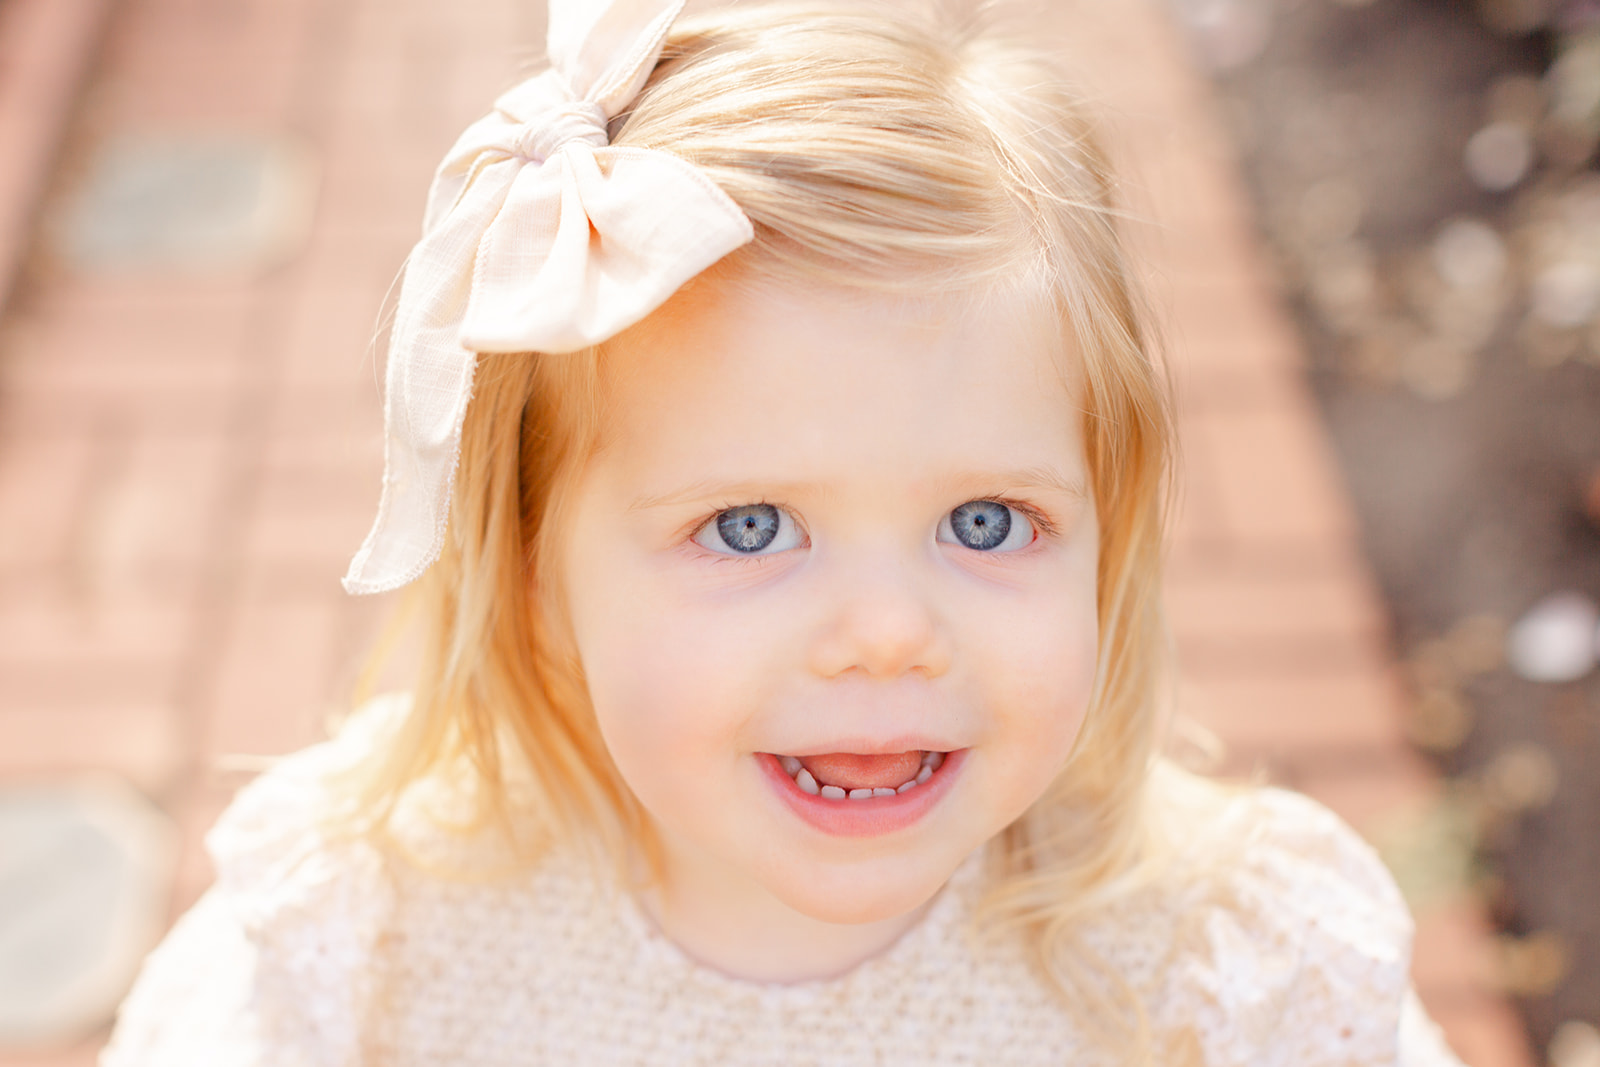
pixel 1350 1001
pixel 277 963
pixel 1291 946
pixel 192 1003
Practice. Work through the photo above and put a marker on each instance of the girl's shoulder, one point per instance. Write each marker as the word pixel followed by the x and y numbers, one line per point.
pixel 1262 846
pixel 1271 924
pixel 274 962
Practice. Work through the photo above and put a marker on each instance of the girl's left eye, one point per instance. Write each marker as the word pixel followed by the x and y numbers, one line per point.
pixel 750 530
pixel 986 526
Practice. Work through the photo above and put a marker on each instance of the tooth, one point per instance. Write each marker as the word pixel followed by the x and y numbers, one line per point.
pixel 833 792
pixel 790 765
pixel 881 791
pixel 860 794
pixel 806 783
pixel 924 774
pixel 907 785
pixel 927 757
pixel 934 759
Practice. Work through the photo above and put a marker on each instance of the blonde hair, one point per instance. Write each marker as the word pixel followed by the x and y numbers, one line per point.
pixel 874 152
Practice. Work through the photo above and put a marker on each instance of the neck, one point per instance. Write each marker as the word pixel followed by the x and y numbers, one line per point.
pixel 735 926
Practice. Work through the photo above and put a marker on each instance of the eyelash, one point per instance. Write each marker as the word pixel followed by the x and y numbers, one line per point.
pixel 1041 522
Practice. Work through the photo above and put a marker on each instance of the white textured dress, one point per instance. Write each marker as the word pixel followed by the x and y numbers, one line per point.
pixel 312 952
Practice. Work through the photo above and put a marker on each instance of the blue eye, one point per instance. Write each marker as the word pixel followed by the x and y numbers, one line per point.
pixel 750 530
pixel 986 526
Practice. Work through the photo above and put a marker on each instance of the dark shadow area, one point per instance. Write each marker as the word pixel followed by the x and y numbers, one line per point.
pixel 1423 170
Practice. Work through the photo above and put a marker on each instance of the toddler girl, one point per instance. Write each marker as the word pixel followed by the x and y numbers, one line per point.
pixel 775 436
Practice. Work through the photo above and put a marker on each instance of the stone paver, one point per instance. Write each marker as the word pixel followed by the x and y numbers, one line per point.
pixel 86 874
pixel 186 461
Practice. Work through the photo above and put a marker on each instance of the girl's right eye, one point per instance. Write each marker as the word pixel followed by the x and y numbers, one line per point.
pixel 750 530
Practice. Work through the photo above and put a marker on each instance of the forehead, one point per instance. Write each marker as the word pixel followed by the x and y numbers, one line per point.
pixel 812 376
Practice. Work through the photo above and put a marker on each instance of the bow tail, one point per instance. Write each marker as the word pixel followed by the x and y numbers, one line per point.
pixel 428 382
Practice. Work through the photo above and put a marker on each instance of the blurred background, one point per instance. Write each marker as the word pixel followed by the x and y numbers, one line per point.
pixel 1374 226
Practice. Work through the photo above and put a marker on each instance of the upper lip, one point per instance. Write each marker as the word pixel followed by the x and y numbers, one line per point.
pixel 862 747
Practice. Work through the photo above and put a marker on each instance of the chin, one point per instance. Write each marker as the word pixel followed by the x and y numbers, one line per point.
pixel 852 897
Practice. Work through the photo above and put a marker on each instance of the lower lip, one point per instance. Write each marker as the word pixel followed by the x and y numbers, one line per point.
pixel 869 816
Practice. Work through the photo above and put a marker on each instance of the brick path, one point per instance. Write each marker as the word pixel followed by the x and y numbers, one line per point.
pixel 185 463
pixel 1281 638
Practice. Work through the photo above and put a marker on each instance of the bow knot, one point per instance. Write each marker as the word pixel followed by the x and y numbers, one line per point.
pixel 576 120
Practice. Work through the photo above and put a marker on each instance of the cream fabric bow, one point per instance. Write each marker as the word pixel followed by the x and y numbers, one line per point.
pixel 538 237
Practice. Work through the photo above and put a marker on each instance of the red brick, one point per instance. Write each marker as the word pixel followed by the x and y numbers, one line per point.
pixel 1297 720
pixel 205 63
pixel 44 481
pixel 1176 257
pixel 80 1054
pixel 1127 51
pixel 49 625
pixel 275 679
pixel 411 100
pixel 330 336
pixel 1229 324
pixel 151 302
pixel 205 91
pixel 140 741
pixel 1292 653
pixel 372 200
pixel 1196 198
pixel 1238 614
pixel 427 73
pixel 362 250
pixel 1278 481
pixel 1372 794
pixel 311 547
pixel 1197 525
pixel 320 477
pixel 180 410
pixel 188 348
pixel 153 513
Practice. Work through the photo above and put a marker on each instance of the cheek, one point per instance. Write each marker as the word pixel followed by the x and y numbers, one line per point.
pixel 1044 666
pixel 670 684
pixel 1054 672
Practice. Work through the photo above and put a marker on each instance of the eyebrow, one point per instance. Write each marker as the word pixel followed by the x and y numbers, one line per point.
pixel 1039 477
pixel 734 491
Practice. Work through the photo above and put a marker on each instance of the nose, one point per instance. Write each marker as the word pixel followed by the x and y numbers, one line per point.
pixel 883 623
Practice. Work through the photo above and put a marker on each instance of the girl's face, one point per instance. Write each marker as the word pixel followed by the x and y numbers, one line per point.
pixel 829 539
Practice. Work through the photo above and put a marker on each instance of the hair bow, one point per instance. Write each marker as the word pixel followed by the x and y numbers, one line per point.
pixel 539 236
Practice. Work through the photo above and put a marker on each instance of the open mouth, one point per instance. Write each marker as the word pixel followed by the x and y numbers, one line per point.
pixel 851 776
